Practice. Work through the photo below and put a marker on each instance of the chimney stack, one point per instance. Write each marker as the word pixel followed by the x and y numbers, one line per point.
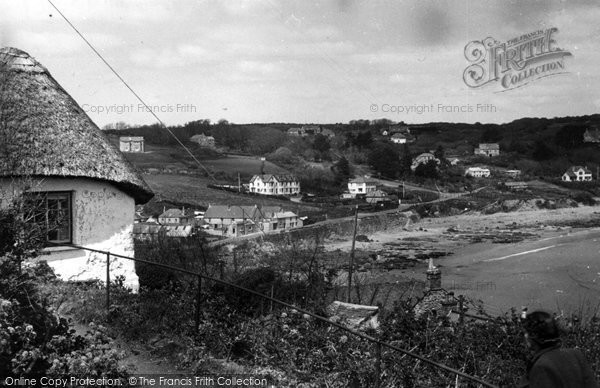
pixel 434 277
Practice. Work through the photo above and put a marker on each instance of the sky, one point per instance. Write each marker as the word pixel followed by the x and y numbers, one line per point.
pixel 303 61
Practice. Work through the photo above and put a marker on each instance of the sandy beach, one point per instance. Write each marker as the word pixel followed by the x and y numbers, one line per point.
pixel 549 259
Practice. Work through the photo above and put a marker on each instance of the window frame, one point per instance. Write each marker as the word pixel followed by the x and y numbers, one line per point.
pixel 43 197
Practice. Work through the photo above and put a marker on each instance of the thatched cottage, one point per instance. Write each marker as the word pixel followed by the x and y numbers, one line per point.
pixel 83 185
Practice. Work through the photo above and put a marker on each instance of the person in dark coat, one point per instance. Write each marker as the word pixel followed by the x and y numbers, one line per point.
pixel 552 366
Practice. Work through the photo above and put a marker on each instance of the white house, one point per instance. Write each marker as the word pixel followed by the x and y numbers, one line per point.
pixel 361 185
pixel 81 188
pixel 488 149
pixel 131 144
pixel 270 184
pixel 175 217
pixel 577 174
pixel 398 138
pixel 477 172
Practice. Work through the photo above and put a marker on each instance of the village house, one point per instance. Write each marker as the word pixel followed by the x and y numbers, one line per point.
pixel 377 196
pixel 477 172
pixel 361 185
pixel 591 135
pixel 296 132
pixel 203 140
pixel 270 184
pixel 436 301
pixel 423 159
pixel 241 220
pixel 488 149
pixel 513 173
pixel 176 217
pixel 398 138
pixel 82 189
pixel 577 174
pixel 131 144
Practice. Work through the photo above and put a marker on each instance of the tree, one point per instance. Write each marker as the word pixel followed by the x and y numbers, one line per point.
pixel 321 143
pixel 385 159
pixel 491 134
pixel 341 169
pixel 427 170
pixel 570 136
pixel 439 153
pixel 405 161
pixel 542 151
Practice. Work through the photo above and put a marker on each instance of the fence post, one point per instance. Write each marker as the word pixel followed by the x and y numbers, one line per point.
pixel 377 365
pixel 107 282
pixel 461 311
pixel 198 299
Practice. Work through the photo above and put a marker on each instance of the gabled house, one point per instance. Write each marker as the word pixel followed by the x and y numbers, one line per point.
pixel 296 132
pixel 176 217
pixel 81 187
pixel 591 135
pixel 271 184
pixel 377 196
pixel 488 149
pixel 422 159
pixel 203 140
pixel 131 144
pixel 241 220
pixel 361 185
pixel 577 174
pixel 477 172
pixel 398 138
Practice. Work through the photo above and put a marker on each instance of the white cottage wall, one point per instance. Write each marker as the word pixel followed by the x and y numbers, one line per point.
pixel 102 218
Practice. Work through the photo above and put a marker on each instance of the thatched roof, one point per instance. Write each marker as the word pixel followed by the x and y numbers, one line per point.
pixel 45 133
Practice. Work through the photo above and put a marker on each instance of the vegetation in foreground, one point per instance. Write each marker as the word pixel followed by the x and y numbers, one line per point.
pixel 259 337
pixel 34 339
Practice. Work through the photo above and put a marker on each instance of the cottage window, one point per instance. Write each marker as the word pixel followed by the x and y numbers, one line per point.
pixel 52 211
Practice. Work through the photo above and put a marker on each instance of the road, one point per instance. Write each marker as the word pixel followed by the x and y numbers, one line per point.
pixel 555 273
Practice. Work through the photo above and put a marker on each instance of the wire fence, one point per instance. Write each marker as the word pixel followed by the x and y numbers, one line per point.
pixel 379 344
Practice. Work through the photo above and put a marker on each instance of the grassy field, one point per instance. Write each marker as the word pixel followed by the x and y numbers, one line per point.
pixel 224 167
pixel 193 190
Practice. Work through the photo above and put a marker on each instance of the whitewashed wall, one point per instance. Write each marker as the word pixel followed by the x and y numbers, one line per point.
pixel 102 219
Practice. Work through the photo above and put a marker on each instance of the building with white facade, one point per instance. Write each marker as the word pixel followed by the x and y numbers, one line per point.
pixel 271 184
pixel 361 185
pixel 477 172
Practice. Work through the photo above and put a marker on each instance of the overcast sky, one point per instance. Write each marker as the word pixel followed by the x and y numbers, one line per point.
pixel 302 61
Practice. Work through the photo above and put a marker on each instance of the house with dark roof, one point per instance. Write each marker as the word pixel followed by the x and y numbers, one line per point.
pixel 488 149
pixel 131 144
pixel 176 217
pixel 436 301
pixel 233 221
pixel 81 187
pixel 274 184
pixel 577 174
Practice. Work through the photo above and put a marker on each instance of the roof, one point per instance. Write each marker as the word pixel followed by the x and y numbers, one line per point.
pixel 489 146
pixel 45 133
pixel 278 177
pixel 377 194
pixel 241 212
pixel 478 169
pixel 362 179
pixel 131 138
pixel 398 136
pixel 201 136
pixel 173 213
pixel 573 169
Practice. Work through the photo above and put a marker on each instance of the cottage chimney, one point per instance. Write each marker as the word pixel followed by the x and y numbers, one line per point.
pixel 434 277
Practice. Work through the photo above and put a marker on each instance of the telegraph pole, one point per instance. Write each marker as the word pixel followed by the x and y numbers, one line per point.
pixel 351 265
